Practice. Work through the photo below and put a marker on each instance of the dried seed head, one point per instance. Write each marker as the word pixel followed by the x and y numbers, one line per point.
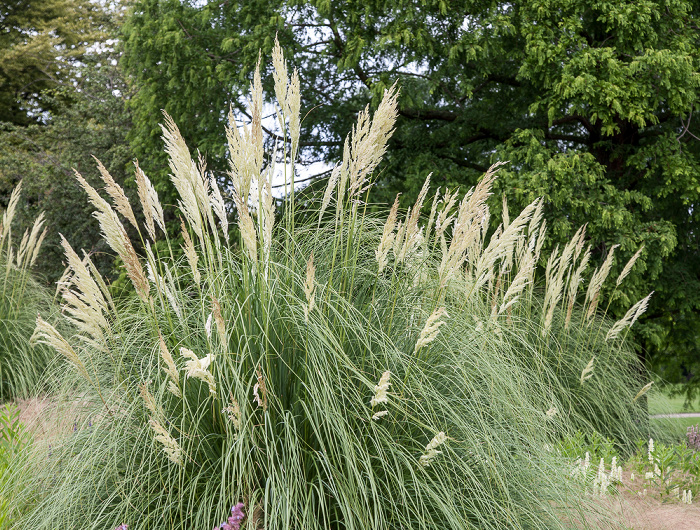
pixel 630 318
pixel 587 372
pixel 431 449
pixel 431 329
pixel 629 266
pixel 381 389
pixel 170 446
pixel 260 386
pixel 643 391
pixel 218 319
pixel 310 287
pixel 233 413
pixel 197 368
pixel 121 201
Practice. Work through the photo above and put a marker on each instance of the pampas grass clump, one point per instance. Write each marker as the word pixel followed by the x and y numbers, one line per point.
pixel 348 372
pixel 21 297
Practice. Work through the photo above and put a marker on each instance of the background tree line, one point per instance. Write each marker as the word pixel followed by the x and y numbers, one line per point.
pixel 592 103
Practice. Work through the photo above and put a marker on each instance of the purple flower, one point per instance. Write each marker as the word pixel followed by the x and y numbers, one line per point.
pixel 122 527
pixel 236 519
pixel 237 516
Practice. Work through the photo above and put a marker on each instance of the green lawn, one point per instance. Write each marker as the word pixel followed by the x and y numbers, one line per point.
pixel 662 403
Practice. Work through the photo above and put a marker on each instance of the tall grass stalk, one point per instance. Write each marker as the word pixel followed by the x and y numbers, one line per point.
pixel 310 371
pixel 21 297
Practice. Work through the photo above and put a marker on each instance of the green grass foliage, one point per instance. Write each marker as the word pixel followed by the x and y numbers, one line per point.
pixel 22 366
pixel 326 367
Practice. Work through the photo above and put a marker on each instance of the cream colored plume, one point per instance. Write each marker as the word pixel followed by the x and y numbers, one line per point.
pixel 190 253
pixel 188 177
pixel 643 391
pixel 45 333
pixel 629 319
pixel 431 450
pixel 152 209
pixel 597 281
pixel 628 268
pixel 431 328
pixel 169 445
pixel 9 213
pixel 381 389
pixel 197 368
pixel 170 368
pixel 117 239
pixel 587 372
pixel 310 287
pixel 88 306
pixel 121 201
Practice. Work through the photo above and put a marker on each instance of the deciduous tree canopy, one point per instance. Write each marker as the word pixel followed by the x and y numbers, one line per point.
pixel 591 102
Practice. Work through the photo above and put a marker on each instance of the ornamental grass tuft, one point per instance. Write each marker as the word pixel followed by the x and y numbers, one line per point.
pixel 307 373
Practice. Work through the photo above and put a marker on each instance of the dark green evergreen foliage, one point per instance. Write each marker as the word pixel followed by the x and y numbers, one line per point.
pixel 88 120
pixel 592 103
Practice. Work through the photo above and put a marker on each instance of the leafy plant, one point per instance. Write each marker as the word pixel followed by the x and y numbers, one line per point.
pixel 13 437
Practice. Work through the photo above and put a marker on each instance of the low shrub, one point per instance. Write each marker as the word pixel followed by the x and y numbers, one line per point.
pixel 347 371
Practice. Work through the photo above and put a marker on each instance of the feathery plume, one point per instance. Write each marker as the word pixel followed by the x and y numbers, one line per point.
pixel 377 415
pixel 369 139
pixel 381 389
pixel 466 234
pixel 413 236
pixel 170 368
pixel 597 281
pixel 587 372
pixel 116 237
pixel 247 228
pixel 309 287
pixel 630 318
pixel 86 307
pixel 431 329
pixel 143 192
pixel 643 391
pixel 629 266
pixel 186 177
pixel 574 283
pixel 218 319
pixel 197 368
pixel 207 325
pixel 45 333
pixel 260 386
pixel 522 279
pixel 121 201
pixel 36 240
pixel 328 194
pixel 233 413
pixel 279 74
pixel 431 449
pixel 148 399
pixel 170 446
pixel 9 213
